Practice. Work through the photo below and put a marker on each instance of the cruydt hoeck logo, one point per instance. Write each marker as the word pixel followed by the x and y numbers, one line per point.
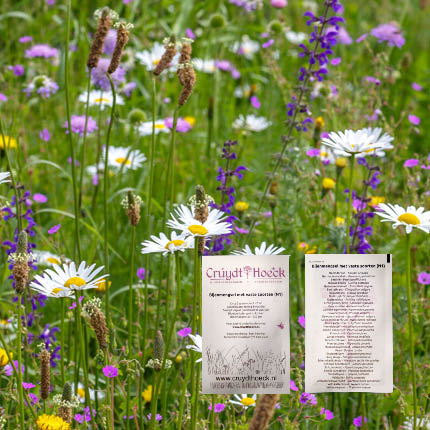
pixel 245 272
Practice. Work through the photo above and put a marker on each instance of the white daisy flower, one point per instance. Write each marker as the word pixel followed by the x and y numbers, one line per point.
pixel 251 122
pixel 81 392
pixel 262 250
pixel 350 142
pixel 197 340
pixel 206 66
pixel 327 155
pixel 244 400
pixel 380 139
pixel 62 281
pixel 294 37
pixel 100 98
pixel 409 217
pixel 4 177
pixel 246 47
pixel 124 157
pixel 145 128
pixel 150 58
pixel 165 245
pixel 422 423
pixel 189 226
pixel 46 258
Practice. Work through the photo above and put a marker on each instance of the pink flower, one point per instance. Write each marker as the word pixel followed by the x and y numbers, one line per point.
pixel 336 61
pixel 40 198
pixel 278 3
pixel 328 415
pixel 424 278
pixel 182 126
pixel 158 417
pixel 270 42
pixel 219 407
pixel 54 229
pixel 45 135
pixel 313 152
pixel 255 102
pixel 412 162
pixel 25 39
pixel 3 97
pixel 416 87
pixel 293 386
pixel 110 371
pixel 301 320
pixel 141 273
pixel 413 119
pixel 358 421
pixel 190 34
pixel 361 38
pixel 184 332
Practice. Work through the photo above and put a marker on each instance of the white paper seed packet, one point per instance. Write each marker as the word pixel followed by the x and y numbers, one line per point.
pixel 349 329
pixel 245 327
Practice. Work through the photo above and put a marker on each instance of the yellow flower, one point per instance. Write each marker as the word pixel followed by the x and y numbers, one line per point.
pixel 339 221
pixel 191 120
pixel 313 250
pixel 10 142
pixel 375 200
pixel 319 122
pixel 303 246
pixel 147 393
pixel 340 162
pixel 241 206
pixel 328 183
pixel 178 359
pixel 101 286
pixel 51 422
pixel 3 358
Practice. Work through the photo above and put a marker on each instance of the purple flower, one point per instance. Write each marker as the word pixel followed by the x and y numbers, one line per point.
pixel 8 369
pixel 412 162
pixel 424 278
pixel 267 44
pixel 361 38
pixel 184 332
pixel 128 88
pixel 45 135
pixel 18 70
pixel 141 272
pixel 372 80
pixel 358 421
pixel 25 39
pixel 278 3
pixel 110 371
pixel 255 102
pixel 328 415
pixel 86 417
pixel 336 61
pixel 219 407
pixel 301 320
pixel 54 229
pixel 342 36
pixel 313 152
pixel 43 86
pixel 308 399
pixel 158 417
pixel 78 125
pixel 413 119
pixel 390 33
pixel 293 386
pixel 182 126
pixel 28 385
pixel 33 399
pixel 416 87
pixel 190 34
pixel 110 42
pixel 3 97
pixel 41 51
pixel 73 305
pixel 40 198
pixel 99 78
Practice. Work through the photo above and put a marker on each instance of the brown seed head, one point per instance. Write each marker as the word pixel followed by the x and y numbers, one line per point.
pixel 103 27
pixel 167 57
pixel 121 40
pixel 263 412
pixel 45 376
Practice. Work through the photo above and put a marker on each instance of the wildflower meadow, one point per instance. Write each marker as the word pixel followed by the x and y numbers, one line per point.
pixel 138 136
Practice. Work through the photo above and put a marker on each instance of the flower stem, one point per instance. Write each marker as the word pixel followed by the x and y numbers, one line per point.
pixel 151 156
pixel 63 305
pixel 19 373
pixel 105 193
pixel 348 216
pixel 411 325
pixel 69 134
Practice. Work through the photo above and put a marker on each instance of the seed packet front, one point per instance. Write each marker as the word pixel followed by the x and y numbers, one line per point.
pixel 349 329
pixel 245 326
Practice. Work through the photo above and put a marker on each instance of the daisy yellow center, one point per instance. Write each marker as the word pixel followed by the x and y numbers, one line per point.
pixel 53 260
pixel 75 280
pixel 51 422
pixel 176 242
pixel 3 358
pixel 409 219
pixel 247 401
pixel 101 100
pixel 369 150
pixel 81 393
pixel 56 290
pixel 160 126
pixel 122 160
pixel 155 62
pixel 198 229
